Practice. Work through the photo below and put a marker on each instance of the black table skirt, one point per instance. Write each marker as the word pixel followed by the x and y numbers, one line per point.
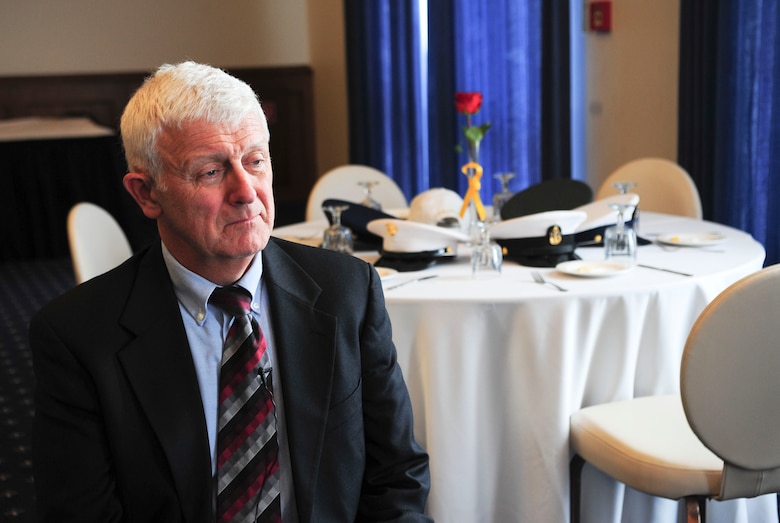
pixel 40 180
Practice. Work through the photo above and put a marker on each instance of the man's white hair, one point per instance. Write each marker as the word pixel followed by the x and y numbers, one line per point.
pixel 174 95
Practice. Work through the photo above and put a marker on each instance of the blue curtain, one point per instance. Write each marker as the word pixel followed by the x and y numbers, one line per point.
pixel 407 58
pixel 387 108
pixel 729 134
pixel 746 182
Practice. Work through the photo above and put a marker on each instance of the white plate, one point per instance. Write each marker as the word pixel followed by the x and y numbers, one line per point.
pixel 592 269
pixel 385 273
pixel 692 239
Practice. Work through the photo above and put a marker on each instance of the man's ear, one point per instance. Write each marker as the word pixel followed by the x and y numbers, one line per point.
pixel 140 186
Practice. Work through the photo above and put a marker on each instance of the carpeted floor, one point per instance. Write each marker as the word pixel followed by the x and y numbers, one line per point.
pixel 24 288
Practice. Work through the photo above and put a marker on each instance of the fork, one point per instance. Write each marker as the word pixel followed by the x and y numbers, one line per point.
pixel 538 278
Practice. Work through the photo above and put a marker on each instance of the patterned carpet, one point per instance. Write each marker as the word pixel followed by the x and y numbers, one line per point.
pixel 24 288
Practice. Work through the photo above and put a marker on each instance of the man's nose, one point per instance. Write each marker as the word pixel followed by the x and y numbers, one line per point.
pixel 241 185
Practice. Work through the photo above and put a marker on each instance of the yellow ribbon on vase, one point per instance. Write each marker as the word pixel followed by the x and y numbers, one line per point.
pixel 473 191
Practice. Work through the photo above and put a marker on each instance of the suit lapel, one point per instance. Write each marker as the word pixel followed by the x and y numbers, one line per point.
pixel 159 366
pixel 305 360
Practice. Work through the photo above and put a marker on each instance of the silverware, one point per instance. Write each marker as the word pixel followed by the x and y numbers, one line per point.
pixel 407 282
pixel 664 270
pixel 538 278
pixel 675 248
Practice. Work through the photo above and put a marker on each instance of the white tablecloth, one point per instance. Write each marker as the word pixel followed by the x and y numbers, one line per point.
pixel 34 128
pixel 496 367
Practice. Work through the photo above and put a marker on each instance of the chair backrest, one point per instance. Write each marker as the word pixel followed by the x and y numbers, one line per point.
pixel 342 183
pixel 730 383
pixel 550 195
pixel 97 242
pixel 662 185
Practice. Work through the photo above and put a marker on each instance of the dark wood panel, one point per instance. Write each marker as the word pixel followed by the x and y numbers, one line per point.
pixel 286 93
pixel 287 97
pixel 101 97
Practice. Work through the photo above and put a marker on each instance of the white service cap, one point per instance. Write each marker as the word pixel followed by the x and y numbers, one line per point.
pixel 539 240
pixel 437 206
pixel 600 214
pixel 409 236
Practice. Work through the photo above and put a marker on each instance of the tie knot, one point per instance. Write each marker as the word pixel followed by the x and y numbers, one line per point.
pixel 234 300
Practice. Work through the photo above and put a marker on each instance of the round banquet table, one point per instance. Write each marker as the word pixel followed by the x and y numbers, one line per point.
pixel 496 366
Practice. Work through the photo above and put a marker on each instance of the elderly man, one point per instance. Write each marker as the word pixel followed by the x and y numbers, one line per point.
pixel 142 416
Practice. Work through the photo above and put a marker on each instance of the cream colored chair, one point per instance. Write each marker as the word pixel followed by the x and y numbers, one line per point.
pixel 662 185
pixel 342 183
pixel 97 242
pixel 718 439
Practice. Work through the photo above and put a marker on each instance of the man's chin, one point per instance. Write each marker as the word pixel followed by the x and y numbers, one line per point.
pixel 248 250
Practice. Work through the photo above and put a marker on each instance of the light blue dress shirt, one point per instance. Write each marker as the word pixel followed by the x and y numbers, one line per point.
pixel 207 327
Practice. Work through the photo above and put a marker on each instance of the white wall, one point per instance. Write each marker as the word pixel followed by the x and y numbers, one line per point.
pixel 631 86
pixel 328 59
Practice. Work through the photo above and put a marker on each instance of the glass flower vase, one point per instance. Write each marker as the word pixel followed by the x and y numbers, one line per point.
pixel 473 223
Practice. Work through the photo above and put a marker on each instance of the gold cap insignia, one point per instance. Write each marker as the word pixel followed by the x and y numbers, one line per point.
pixel 391 228
pixel 554 236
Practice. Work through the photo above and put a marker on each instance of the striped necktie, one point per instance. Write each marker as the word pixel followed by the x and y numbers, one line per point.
pixel 247 449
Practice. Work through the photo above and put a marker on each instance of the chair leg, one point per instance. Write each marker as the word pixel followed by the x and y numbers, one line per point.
pixel 575 485
pixel 696 509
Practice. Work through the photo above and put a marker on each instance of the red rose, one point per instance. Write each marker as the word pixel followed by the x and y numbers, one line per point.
pixel 468 103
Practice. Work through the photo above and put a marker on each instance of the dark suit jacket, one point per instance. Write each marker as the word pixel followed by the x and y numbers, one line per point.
pixel 120 433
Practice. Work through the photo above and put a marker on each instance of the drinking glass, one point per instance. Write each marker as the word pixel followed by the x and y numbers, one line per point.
pixel 500 198
pixel 369 201
pixel 620 240
pixel 337 237
pixel 486 257
pixel 623 188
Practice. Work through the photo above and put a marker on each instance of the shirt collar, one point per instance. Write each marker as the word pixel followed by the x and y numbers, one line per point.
pixel 193 291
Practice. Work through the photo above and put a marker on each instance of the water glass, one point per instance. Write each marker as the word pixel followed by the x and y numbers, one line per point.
pixel 486 256
pixel 500 198
pixel 369 200
pixel 620 245
pixel 623 188
pixel 337 237
pixel 620 240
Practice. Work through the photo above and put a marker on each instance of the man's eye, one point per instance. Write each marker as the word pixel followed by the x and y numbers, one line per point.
pixel 255 165
pixel 208 175
pixel 211 173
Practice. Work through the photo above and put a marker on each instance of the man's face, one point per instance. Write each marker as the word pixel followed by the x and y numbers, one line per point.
pixel 216 210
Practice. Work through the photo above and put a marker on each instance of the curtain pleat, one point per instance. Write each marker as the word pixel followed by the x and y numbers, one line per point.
pixel 556 92
pixel 443 121
pixel 697 102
